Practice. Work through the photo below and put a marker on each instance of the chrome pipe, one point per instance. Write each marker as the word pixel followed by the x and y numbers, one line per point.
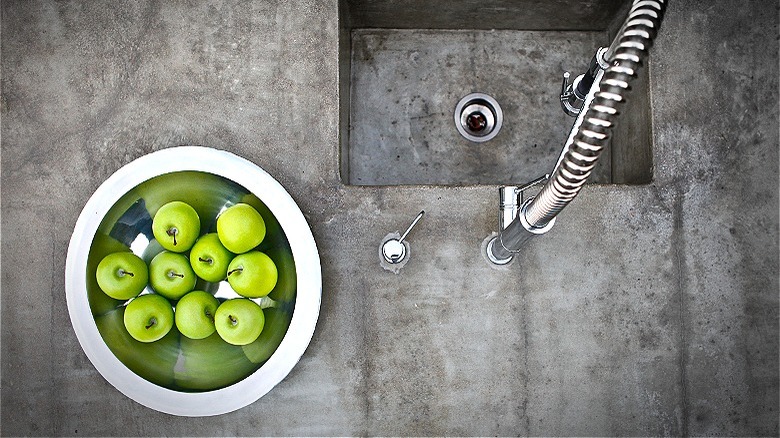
pixel 502 248
pixel 643 12
pixel 515 230
pixel 624 57
pixel 507 205
pixel 590 132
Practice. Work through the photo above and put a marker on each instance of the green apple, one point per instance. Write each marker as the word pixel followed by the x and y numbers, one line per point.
pixel 102 245
pixel 210 259
pixel 239 321
pixel 275 327
pixel 176 226
pixel 149 317
pixel 170 275
pixel 210 363
pixel 274 236
pixel 240 228
pixel 153 361
pixel 195 314
pixel 252 275
pixel 198 189
pixel 122 275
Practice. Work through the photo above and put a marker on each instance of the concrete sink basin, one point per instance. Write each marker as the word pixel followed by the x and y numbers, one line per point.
pixel 404 65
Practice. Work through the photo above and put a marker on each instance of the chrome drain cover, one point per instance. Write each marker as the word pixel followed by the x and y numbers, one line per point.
pixel 478 117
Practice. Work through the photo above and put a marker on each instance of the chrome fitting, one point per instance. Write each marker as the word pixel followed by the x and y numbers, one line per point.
pixel 513 228
pixel 507 205
pixel 533 229
pixel 573 95
pixel 570 102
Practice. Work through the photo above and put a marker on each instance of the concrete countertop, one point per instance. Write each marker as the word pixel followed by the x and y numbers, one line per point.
pixel 648 310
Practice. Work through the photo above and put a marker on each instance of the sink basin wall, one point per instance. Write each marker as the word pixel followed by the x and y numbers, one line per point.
pixel 483 14
pixel 402 72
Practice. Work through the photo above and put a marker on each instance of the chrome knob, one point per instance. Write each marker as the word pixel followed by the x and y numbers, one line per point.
pixel 570 101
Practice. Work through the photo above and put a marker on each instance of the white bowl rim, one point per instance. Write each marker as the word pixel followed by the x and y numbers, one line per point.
pixel 305 256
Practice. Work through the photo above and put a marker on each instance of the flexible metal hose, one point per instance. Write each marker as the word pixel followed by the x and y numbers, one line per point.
pixel 625 56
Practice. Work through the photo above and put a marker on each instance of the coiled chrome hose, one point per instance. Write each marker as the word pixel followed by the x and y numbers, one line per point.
pixel 625 56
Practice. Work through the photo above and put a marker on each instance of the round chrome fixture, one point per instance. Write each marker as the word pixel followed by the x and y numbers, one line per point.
pixel 394 249
pixel 478 117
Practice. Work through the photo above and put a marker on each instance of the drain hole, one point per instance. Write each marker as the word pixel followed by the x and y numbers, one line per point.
pixel 476 122
pixel 478 117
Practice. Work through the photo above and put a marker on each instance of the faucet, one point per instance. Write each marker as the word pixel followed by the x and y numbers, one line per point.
pixel 594 98
pixel 573 94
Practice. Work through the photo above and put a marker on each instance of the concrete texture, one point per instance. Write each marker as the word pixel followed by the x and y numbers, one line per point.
pixel 648 310
pixel 400 86
pixel 405 86
pixel 479 14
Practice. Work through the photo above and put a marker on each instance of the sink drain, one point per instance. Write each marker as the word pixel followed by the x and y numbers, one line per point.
pixel 478 117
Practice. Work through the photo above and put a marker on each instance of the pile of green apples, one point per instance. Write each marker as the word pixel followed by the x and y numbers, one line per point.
pixel 229 254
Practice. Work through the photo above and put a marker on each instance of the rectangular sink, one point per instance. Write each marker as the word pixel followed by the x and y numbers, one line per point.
pixel 404 65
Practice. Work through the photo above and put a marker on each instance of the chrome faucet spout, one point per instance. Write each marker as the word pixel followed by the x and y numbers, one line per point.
pixel 608 82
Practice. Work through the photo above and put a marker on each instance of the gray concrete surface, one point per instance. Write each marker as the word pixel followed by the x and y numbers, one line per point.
pixel 405 86
pixel 400 88
pixel 648 310
pixel 478 14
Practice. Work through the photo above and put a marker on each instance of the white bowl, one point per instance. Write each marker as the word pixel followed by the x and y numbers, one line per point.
pixel 242 177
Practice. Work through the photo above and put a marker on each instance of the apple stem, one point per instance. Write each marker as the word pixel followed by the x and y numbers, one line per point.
pixel 233 321
pixel 174 274
pixel 239 269
pixel 208 260
pixel 209 316
pixel 122 273
pixel 173 231
pixel 152 322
